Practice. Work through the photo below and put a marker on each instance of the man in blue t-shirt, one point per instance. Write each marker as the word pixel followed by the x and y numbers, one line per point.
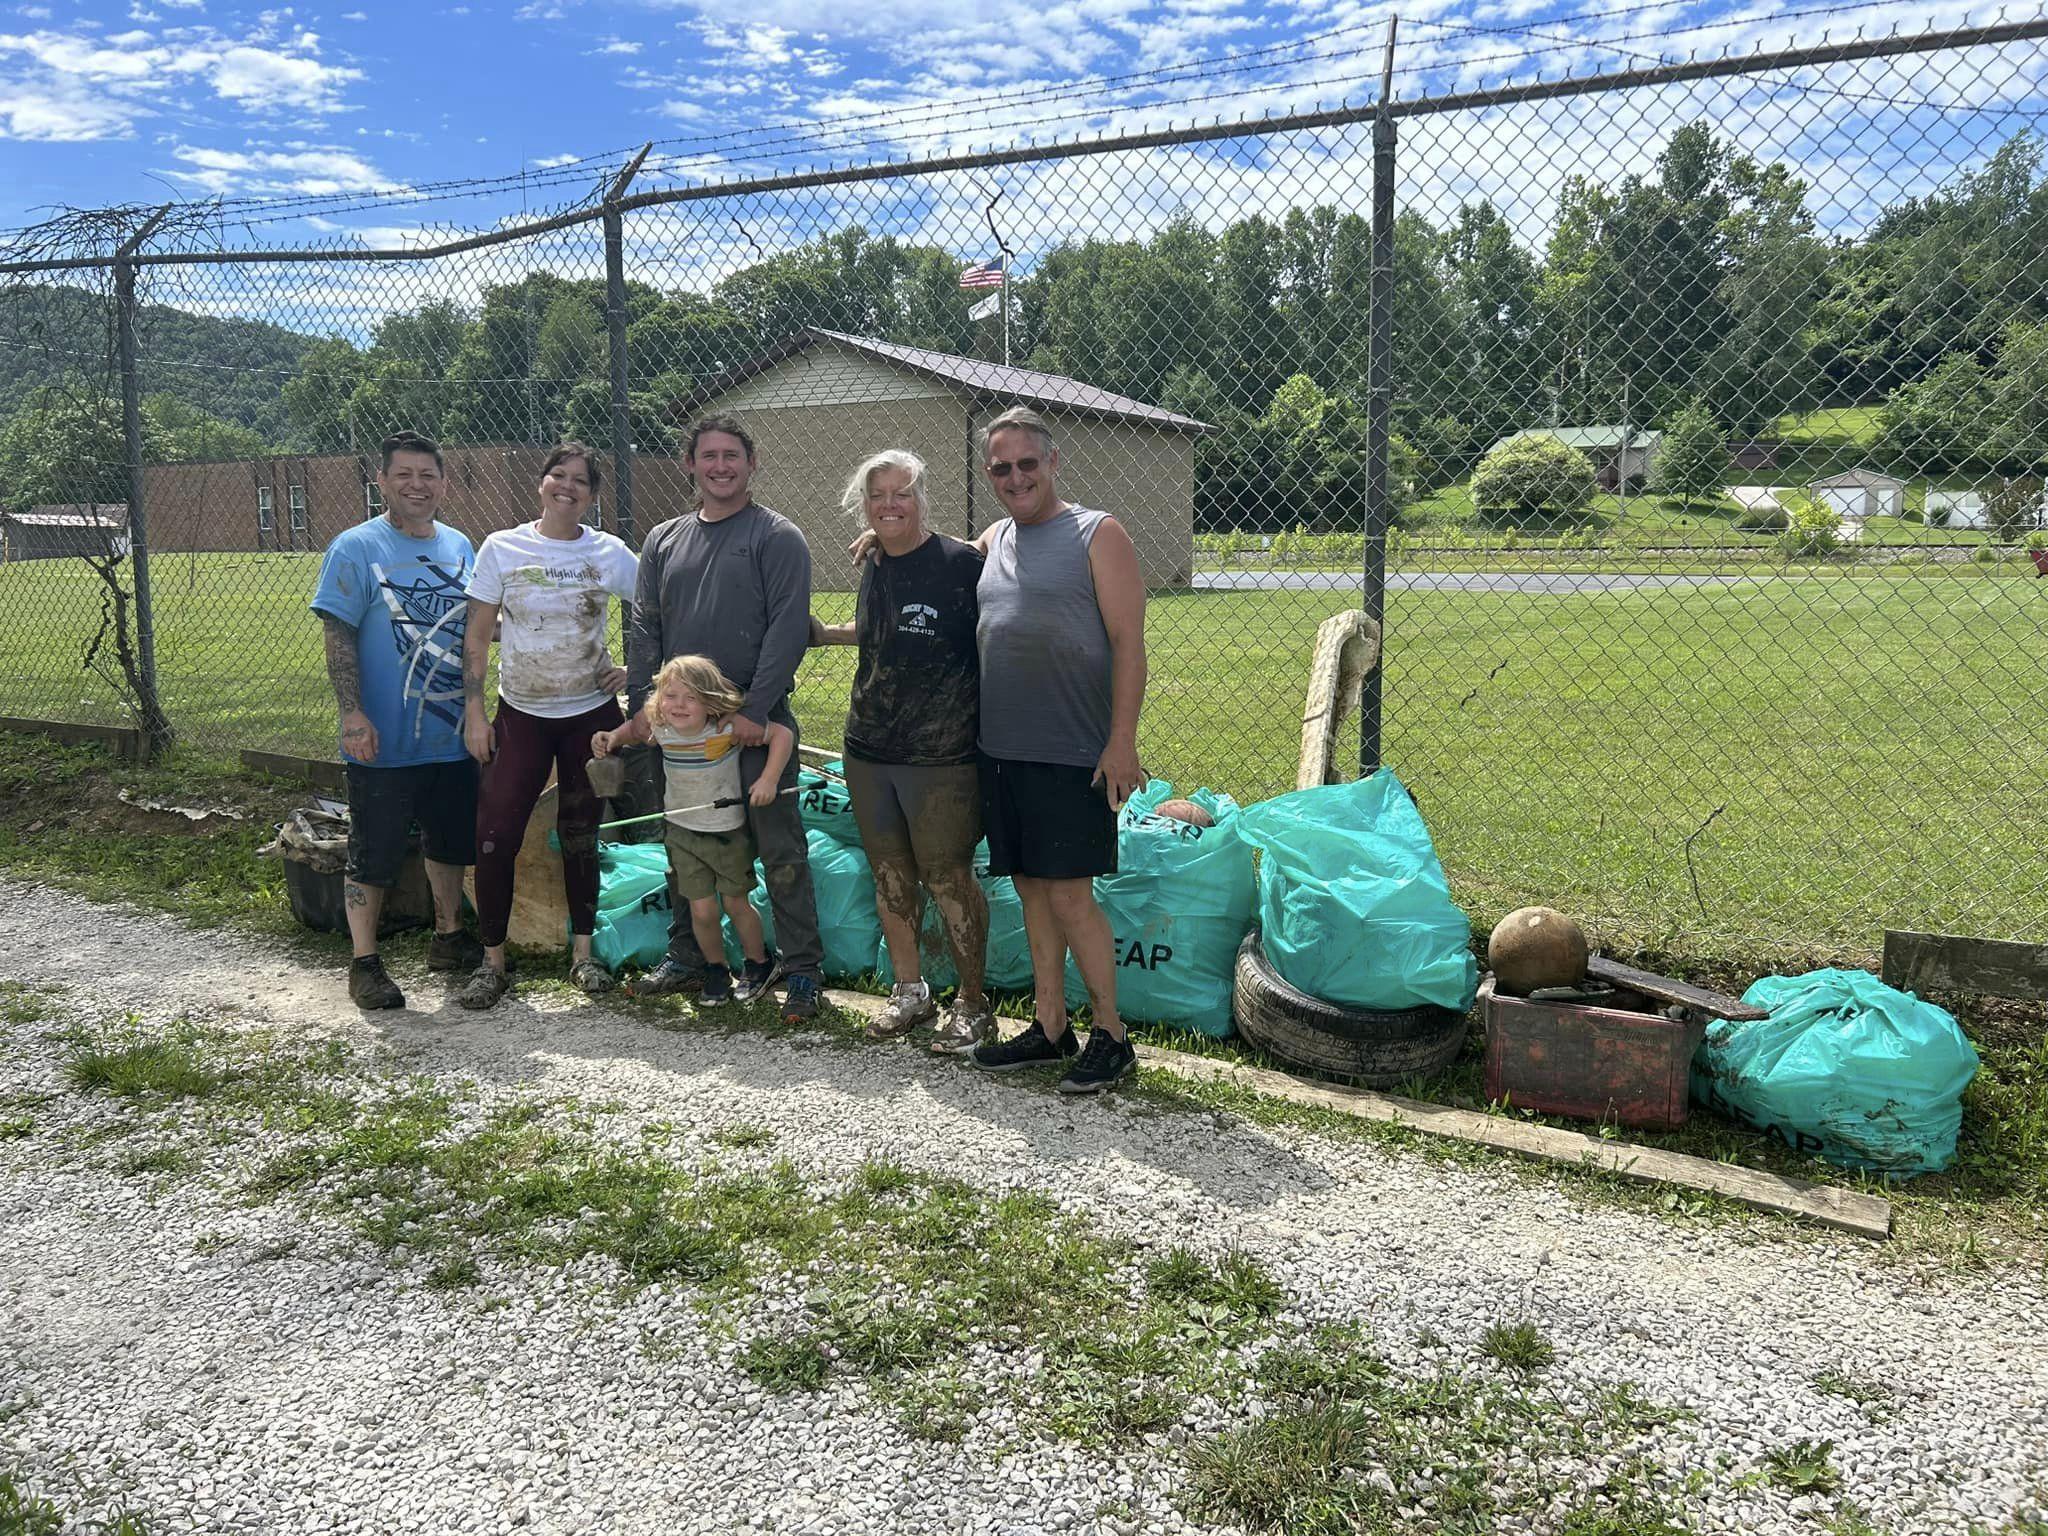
pixel 391 600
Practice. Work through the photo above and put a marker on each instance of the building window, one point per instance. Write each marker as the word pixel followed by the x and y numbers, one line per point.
pixel 266 510
pixel 297 496
pixel 373 501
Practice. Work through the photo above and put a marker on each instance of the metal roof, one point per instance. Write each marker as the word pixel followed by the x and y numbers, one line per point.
pixel 76 515
pixel 1865 479
pixel 998 381
pixel 1592 437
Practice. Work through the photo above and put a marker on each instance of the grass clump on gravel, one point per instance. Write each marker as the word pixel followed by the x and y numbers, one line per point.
pixel 26 1513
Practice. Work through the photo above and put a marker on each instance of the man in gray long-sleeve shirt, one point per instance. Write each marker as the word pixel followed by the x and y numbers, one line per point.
pixel 732 581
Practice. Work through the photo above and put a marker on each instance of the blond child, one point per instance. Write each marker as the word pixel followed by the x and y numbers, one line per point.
pixel 710 849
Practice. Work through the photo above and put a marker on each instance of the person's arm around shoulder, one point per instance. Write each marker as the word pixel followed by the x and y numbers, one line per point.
pixel 832 634
pixel 1120 594
pixel 622 572
pixel 341 601
pixel 643 630
pixel 781 742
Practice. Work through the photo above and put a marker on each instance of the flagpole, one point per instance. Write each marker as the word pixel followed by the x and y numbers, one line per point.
pixel 1006 308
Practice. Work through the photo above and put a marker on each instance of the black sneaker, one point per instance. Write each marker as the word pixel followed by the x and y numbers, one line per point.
pixel 1104 1064
pixel 370 986
pixel 1030 1049
pixel 717 987
pixel 756 977
pixel 457 951
pixel 669 976
pixel 800 1000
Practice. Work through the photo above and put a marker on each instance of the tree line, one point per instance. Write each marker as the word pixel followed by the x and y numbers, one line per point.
pixel 1701 286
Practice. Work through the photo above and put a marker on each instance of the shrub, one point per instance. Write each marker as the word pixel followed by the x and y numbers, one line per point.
pixel 1531 475
pixel 1812 529
pixel 1986 554
pixel 2038 539
pixel 1761 520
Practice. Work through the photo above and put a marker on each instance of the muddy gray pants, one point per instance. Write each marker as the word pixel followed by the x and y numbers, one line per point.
pixel 778 829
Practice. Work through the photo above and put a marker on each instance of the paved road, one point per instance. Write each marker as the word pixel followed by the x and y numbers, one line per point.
pixel 1552 583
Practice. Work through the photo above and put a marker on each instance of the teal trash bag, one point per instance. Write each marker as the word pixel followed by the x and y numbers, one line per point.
pixel 844 888
pixel 1178 907
pixel 823 804
pixel 1845 1068
pixel 1352 902
pixel 1007 965
pixel 632 905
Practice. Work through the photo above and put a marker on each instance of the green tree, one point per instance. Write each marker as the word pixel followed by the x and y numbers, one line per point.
pixel 317 394
pixel 1530 476
pixel 1692 461
pixel 187 434
pixel 65 445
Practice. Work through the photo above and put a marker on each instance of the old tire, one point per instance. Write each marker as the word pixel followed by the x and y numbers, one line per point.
pixel 1375 1047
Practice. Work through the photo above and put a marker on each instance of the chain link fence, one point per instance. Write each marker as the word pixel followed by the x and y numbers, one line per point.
pixel 1685 427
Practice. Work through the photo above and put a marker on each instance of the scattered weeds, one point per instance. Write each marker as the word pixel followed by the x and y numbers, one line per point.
pixel 1872 1398
pixel 743 1136
pixel 1805 1466
pixel 158 1159
pixel 17 1127
pixel 1519 1346
pixel 788 1363
pixel 456 1272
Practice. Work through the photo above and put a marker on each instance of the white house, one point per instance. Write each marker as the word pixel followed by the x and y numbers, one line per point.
pixel 1859 494
pixel 1956 509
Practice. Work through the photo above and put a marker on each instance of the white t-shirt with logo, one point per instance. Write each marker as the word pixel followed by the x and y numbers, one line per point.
pixel 554 595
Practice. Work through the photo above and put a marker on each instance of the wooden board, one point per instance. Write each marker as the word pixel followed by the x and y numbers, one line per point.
pixel 323 773
pixel 128 744
pixel 1347 648
pixel 1844 1210
pixel 1670 990
pixel 1943 962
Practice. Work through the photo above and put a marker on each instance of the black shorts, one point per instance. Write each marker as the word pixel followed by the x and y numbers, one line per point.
pixel 1046 821
pixel 383 804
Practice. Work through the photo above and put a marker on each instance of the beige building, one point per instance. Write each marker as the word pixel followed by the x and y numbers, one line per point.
pixel 822 401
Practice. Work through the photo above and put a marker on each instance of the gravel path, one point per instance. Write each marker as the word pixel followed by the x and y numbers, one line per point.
pixel 282 1377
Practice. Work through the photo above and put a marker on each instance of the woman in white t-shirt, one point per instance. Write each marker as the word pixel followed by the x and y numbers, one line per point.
pixel 551 582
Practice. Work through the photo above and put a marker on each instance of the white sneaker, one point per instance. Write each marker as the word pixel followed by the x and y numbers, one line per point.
pixel 909 1005
pixel 963 1031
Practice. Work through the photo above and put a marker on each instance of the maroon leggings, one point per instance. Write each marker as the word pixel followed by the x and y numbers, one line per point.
pixel 528 746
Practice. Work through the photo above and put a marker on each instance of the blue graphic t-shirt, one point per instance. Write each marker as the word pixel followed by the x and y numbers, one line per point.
pixel 404 598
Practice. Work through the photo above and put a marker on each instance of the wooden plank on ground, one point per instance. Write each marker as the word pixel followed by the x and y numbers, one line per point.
pixel 1845 1210
pixel 127 742
pixel 1670 990
pixel 1824 1205
pixel 1945 962
pixel 322 773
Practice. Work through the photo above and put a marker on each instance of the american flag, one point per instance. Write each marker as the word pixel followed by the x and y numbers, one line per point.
pixel 983 274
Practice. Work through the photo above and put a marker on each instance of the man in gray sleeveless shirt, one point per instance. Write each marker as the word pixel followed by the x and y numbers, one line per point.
pixel 1062 642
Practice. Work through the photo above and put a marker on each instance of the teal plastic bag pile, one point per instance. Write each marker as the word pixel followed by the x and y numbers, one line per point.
pixel 824 806
pixel 1845 1068
pixel 1007 964
pixel 1178 906
pixel 632 905
pixel 844 887
pixel 1352 902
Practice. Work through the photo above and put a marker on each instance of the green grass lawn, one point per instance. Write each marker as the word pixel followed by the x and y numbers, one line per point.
pixel 1843 751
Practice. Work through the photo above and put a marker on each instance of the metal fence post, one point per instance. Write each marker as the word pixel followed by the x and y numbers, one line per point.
pixel 1379 406
pixel 615 326
pixel 155 724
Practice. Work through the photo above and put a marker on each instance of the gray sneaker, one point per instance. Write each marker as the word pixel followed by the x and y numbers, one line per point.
pixel 909 1005
pixel 485 986
pixel 960 1031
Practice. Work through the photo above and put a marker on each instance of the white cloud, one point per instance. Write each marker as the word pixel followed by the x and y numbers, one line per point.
pixel 106 84
pixel 308 172
pixel 547 161
pixel 617 45
pixel 354 16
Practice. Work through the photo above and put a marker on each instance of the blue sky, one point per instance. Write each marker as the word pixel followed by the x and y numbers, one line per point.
pixel 361 101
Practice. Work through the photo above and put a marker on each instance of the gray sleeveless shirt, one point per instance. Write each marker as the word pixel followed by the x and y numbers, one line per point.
pixel 1045 657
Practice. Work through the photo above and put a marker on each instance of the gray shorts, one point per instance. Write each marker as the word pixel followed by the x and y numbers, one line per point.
pixel 925 818
pixel 702 864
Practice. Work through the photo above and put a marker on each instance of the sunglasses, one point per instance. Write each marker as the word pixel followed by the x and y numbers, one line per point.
pixel 1002 467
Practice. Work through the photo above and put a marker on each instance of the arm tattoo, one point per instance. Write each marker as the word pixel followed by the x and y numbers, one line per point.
pixel 344 667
